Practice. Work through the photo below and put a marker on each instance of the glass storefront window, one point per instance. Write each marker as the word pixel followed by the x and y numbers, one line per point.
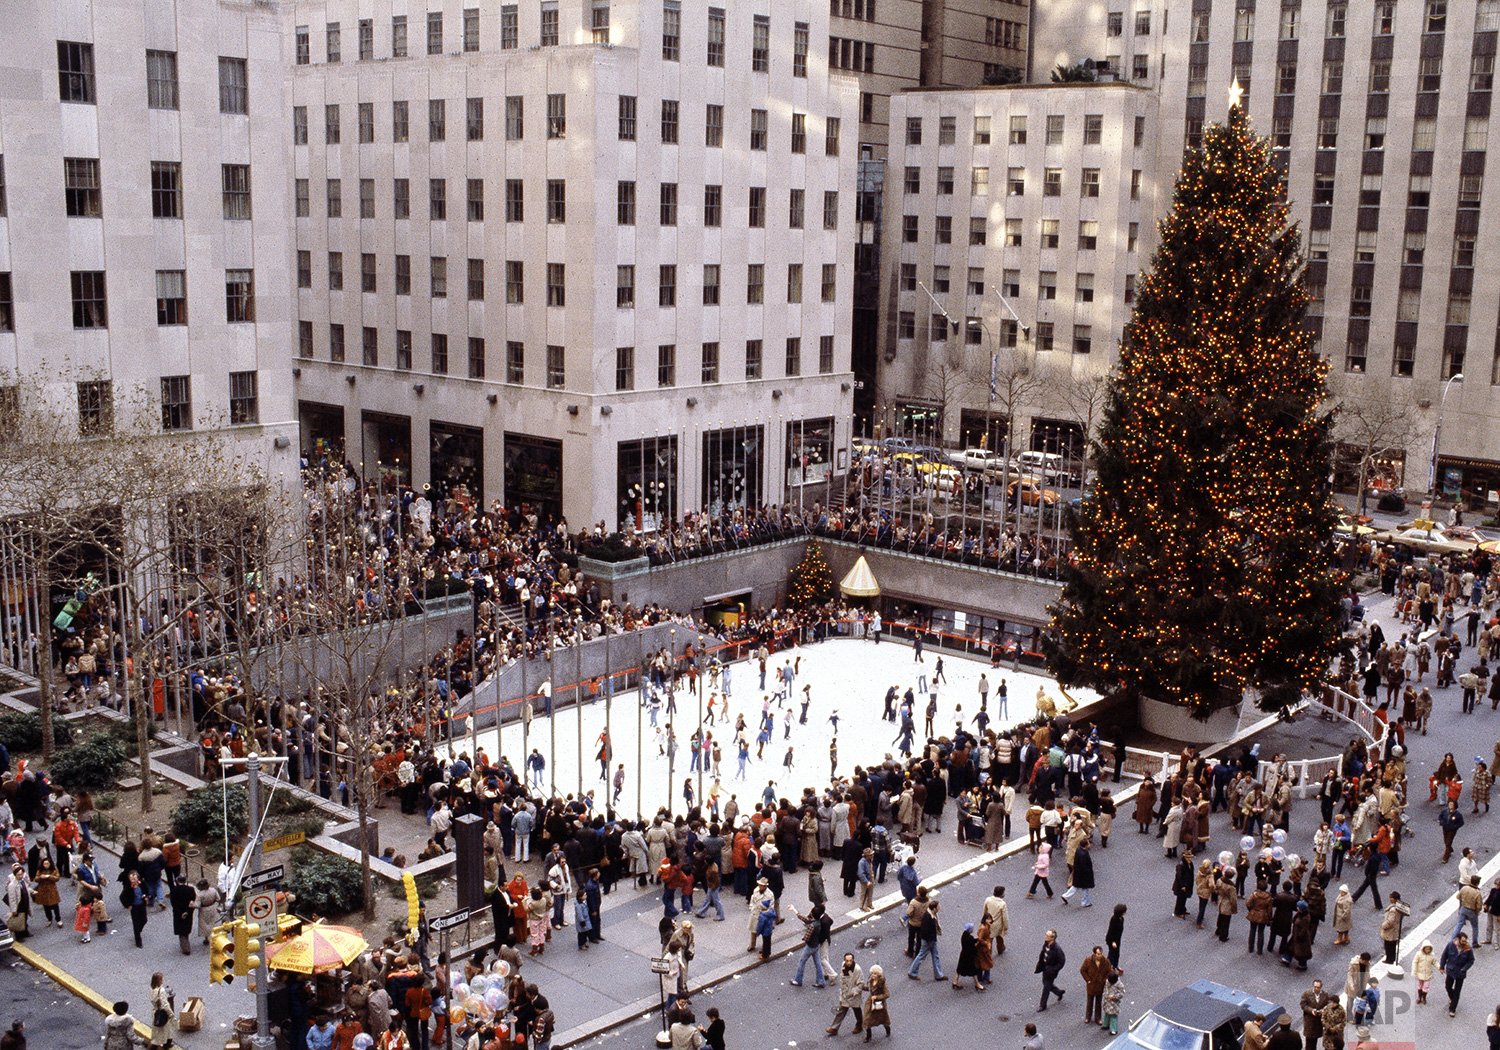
pixel 809 452
pixel 733 468
pixel 457 463
pixel 534 475
pixel 646 484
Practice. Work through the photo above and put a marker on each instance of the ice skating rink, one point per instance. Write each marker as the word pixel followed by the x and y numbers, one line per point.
pixel 848 679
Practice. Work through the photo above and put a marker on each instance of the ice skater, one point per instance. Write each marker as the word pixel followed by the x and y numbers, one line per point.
pixel 931 713
pixel 937 672
pixel 916 648
pixel 834 720
pixel 619 784
pixel 744 747
pixel 787 761
pixel 1002 709
pixel 833 758
pixel 806 700
pixel 764 737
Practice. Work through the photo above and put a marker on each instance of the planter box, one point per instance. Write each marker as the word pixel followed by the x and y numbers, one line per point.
pixel 613 571
pixel 1175 723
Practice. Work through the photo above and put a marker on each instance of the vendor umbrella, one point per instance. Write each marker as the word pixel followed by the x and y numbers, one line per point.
pixel 316 949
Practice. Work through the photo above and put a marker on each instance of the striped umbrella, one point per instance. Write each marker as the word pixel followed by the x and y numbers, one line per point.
pixel 316 949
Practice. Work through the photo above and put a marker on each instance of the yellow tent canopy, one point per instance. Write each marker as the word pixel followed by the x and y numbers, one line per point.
pixel 860 583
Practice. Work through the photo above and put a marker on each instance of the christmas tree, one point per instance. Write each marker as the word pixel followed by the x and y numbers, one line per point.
pixel 811 581
pixel 1200 567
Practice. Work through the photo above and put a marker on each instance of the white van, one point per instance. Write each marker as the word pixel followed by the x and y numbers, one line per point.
pixel 1048 465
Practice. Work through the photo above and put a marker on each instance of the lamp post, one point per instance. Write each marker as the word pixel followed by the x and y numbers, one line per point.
pixel 698 688
pixel 1437 434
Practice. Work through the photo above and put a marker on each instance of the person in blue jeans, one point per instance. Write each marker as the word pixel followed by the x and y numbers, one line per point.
pixel 816 927
pixel 927 938
pixel 711 893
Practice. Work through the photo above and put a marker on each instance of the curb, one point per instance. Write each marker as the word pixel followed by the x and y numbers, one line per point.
pixel 73 985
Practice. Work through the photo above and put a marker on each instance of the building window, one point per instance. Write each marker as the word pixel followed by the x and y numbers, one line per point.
pixel 830 209
pixel 715 56
pixel 795 209
pixel 239 296
pixel 303 40
pixel 1244 24
pixel 438 354
pixel 1436 19
pixel 331 132
pixel 1404 360
pixel 334 36
pixel 1476 133
pixel 434 32
pixel 671 30
pixel 96 407
pixel 336 343
pixel 799 132
pixel 236 187
pixel 557 201
pixel 713 197
pixel 710 284
pixel 437 199
pixel 90 306
pixel 600 24
pixel 799 49
pixel 979 182
pixel 403 275
pixel 1018 130
pixel 81 192
pixel 945 181
pixel 549 24
pixel 335 271
pixel 515 282
pixel 625 203
pixel 557 116
pixel 557 372
pixel 1089 183
pixel 515 118
pixel 754 363
pixel 825 355
pixel 666 285
pixel 758 129
pixel 624 368
pixel 335 198
pixel 75 71
pixel 668 205
pixel 755 283
pixel 978 230
pixel 370 347
pixel 1424 133
pixel 1093 129
pixel 713 126
pixel 794 282
pixel 176 403
pixel 171 296
pixel 1013 234
pixel 906 325
pixel 794 356
pixel 471 29
pixel 401 199
pixel 234 86
pixel 756 211
pixel 625 287
pixel 1088 235
pixel 666 365
pixel 304 339
pixel 515 362
pixel 299 125
pixel 476 358
pixel 947 130
pixel 510 27
pixel 1338 17
pixel 669 121
pixel 1049 233
pixel 1470 188
pixel 304 270
pixel 474 119
pixel 830 282
pixel 627 118
pixel 760 45
pixel 556 284
pixel 437 119
pixel 161 79
pixel 476 280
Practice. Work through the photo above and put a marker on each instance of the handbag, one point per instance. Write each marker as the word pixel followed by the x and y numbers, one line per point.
pixel 161 1017
pixel 16 922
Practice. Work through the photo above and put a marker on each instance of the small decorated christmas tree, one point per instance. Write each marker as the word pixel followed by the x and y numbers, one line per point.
pixel 811 581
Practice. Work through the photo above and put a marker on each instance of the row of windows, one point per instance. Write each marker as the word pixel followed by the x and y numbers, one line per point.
pixel 83 195
pixel 550 35
pixel 1056 130
pixel 756 204
pixel 91 301
pixel 515 282
pixel 555 372
pixel 1043 335
pixel 96 402
pixel 76 81
pixel 1336 20
pixel 1013 229
pixel 669 126
pixel 1404 355
pixel 1015 182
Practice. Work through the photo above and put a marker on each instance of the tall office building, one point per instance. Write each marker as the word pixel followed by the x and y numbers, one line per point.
pixel 579 255
pixel 1016 226
pixel 143 217
pixel 1360 99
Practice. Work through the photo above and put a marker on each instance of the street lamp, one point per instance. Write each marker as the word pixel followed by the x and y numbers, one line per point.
pixel 1437 433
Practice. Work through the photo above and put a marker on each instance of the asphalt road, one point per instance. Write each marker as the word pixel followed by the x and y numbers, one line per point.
pixel 54 1020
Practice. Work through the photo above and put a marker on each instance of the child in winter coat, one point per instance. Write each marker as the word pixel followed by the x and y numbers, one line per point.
pixel 1114 991
pixel 1040 870
pixel 1423 967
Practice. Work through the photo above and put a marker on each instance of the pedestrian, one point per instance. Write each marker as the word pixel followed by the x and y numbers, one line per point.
pixel 44 892
pixel 1033 1037
pixel 14 1037
pixel 984 952
pixel 1343 915
pixel 865 877
pixel 1450 820
pixel 1040 870
pixel 1114 934
pixel 1298 944
pixel 1049 963
pixel 1390 925
pixel 1423 969
pixel 877 1003
pixel 851 996
pixel 1334 1019
pixel 1455 962
pixel 1470 901
pixel 816 927
pixel 927 937
pixel 1313 1002
pixel 163 1013
pixel 18 903
pixel 207 901
pixel 1083 876
pixel 1356 976
pixel 968 959
pixel 1258 912
pixel 1492 916
pixel 119 1028
pixel 765 925
pixel 1095 972
pixel 182 897
pixel 1182 884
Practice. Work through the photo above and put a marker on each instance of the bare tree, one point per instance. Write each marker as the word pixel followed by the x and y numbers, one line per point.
pixel 1081 399
pixel 1372 427
pixel 950 385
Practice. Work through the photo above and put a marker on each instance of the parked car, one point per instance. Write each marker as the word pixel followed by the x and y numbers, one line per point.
pixel 1048 465
pixel 991 463
pixel 898 444
pixel 1205 1015
pixel 1029 492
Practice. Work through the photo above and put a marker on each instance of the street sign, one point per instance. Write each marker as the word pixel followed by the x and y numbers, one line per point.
pixel 447 922
pixel 265 877
pixel 291 838
pixel 259 907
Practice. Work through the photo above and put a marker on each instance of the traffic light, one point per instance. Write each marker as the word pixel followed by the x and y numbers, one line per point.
pixel 246 947
pixel 220 954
